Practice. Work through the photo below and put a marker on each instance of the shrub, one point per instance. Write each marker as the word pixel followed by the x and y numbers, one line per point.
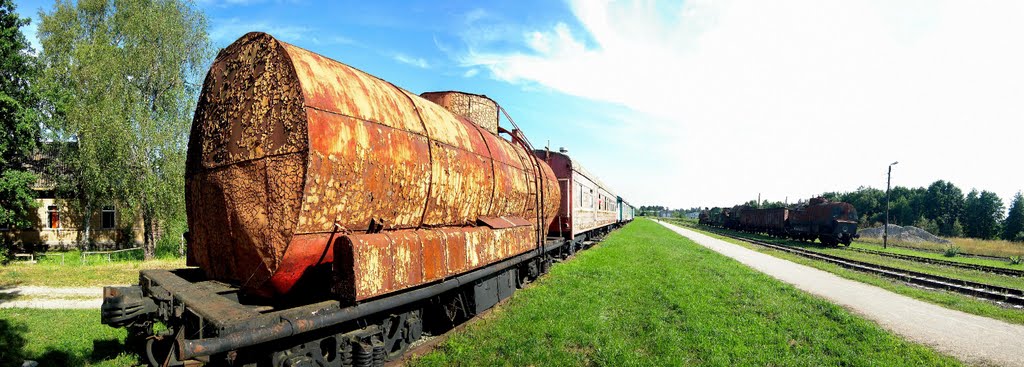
pixel 169 244
pixel 951 251
pixel 1016 260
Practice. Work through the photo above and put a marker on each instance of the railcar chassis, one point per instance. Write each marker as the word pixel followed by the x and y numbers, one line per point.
pixel 179 318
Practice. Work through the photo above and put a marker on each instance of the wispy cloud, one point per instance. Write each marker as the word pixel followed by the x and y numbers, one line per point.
pixel 409 60
pixel 227 30
pixel 471 73
pixel 731 77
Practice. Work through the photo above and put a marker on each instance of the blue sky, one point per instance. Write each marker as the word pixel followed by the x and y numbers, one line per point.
pixel 703 102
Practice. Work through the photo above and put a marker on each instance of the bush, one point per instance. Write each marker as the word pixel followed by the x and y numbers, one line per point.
pixel 1016 260
pixel 169 245
pixel 951 251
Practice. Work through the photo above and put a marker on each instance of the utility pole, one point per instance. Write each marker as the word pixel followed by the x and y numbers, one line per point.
pixel 888 182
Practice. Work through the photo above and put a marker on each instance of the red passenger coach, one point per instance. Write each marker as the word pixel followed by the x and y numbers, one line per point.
pixel 588 208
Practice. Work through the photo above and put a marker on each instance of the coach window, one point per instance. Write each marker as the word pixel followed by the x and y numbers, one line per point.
pixel 108 217
pixel 52 217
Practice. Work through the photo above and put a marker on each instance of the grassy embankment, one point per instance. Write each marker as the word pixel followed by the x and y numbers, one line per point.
pixel 94 272
pixel 647 296
pixel 67 337
pixel 973 246
pixel 934 269
pixel 937 255
pixel 968 246
pixel 943 298
pixel 60 338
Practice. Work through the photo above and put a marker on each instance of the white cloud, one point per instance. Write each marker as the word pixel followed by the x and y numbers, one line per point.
pixel 409 60
pixel 786 98
pixel 228 30
pixel 471 73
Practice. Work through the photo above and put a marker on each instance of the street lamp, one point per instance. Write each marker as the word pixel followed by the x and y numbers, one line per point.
pixel 888 181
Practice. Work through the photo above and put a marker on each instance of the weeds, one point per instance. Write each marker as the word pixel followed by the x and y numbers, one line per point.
pixel 951 251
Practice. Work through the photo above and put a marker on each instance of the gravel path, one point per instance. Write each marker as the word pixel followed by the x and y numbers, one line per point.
pixel 973 339
pixel 49 297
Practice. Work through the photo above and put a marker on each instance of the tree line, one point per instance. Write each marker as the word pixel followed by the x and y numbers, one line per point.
pixel 941 208
pixel 108 100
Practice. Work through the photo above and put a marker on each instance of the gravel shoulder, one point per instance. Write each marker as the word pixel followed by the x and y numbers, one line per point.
pixel 973 339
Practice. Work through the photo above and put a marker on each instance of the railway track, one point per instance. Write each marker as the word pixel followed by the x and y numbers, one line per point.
pixel 985 268
pixel 992 292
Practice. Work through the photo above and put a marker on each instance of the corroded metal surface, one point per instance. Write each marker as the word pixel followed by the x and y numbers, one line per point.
pixel 585 203
pixel 480 109
pixel 371 265
pixel 246 161
pixel 291 151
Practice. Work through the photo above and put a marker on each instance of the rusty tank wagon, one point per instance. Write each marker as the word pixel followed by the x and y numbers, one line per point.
pixel 334 217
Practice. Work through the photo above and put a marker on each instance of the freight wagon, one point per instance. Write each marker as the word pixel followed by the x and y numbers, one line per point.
pixel 769 221
pixel 830 222
pixel 335 218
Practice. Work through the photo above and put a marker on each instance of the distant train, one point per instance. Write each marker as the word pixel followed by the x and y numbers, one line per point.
pixel 830 222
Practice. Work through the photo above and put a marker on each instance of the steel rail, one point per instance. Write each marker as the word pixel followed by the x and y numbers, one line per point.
pixel 985 268
pixel 981 290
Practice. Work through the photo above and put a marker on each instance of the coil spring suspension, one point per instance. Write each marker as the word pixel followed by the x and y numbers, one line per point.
pixel 369 355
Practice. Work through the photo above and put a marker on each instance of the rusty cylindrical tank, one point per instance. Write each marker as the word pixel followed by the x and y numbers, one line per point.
pixel 292 153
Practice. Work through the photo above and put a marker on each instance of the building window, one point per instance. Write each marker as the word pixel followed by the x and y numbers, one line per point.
pixel 108 217
pixel 52 217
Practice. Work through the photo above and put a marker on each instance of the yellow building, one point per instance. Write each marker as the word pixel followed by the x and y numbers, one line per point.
pixel 55 226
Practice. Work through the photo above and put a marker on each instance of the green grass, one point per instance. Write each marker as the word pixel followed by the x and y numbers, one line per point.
pixel 934 269
pixel 973 246
pixel 60 338
pixel 75 274
pixel 943 298
pixel 647 296
pixel 938 256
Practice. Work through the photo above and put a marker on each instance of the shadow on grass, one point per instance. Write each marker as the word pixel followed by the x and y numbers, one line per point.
pixel 13 353
pixel 12 343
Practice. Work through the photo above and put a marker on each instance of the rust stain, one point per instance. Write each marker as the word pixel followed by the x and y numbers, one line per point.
pixel 290 150
pixel 383 263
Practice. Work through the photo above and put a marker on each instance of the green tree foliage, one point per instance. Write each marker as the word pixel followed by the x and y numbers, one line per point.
pixel 982 214
pixel 19 127
pixel 941 208
pixel 1013 226
pixel 869 202
pixel 122 77
pixel 944 203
